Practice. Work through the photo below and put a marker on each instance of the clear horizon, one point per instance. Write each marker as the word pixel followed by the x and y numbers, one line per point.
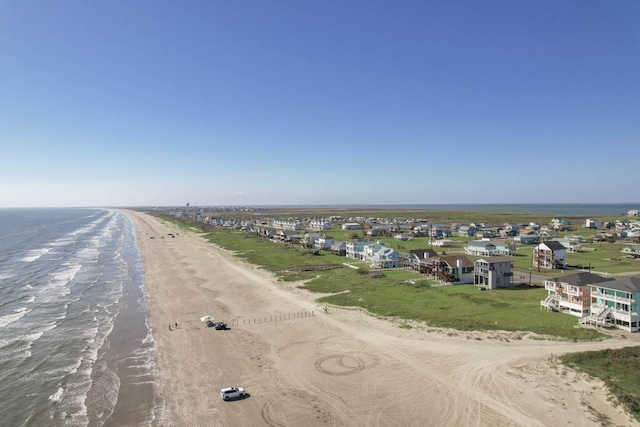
pixel 250 103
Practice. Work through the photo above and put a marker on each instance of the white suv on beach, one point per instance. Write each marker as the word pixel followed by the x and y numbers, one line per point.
pixel 232 393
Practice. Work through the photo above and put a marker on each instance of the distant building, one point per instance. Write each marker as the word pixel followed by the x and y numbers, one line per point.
pixel 526 239
pixel 351 226
pixel 592 223
pixel 355 249
pixel 403 236
pixel 550 254
pixel 480 248
pixel 320 224
pixel 286 224
pixel 467 231
pixel 492 272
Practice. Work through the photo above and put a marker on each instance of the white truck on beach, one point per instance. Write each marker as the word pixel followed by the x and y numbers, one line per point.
pixel 232 393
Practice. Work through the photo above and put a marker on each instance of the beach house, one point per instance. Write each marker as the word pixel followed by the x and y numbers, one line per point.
pixel 355 249
pixel 480 248
pixel 320 224
pixel 323 242
pixel 631 251
pixel 351 226
pixel 550 254
pixel 615 302
pixel 415 256
pixel 571 294
pixel 287 224
pixel 467 231
pixel 451 268
pixel 385 257
pixel 493 272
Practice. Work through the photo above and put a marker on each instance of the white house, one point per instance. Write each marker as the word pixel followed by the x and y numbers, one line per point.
pixel 355 249
pixel 592 223
pixel 550 254
pixel 403 236
pixel 286 224
pixel 572 244
pixel 441 243
pixel 323 242
pixel 385 257
pixel 351 226
pixel 480 248
pixel 320 224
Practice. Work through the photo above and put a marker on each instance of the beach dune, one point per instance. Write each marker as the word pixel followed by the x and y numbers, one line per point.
pixel 303 367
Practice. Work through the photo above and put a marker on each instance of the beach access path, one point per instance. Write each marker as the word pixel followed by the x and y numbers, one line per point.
pixel 304 367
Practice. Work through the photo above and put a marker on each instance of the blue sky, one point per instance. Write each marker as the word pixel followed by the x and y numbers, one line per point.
pixel 144 103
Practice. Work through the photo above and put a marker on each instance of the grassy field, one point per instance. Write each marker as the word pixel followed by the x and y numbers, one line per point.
pixel 617 368
pixel 603 257
pixel 461 307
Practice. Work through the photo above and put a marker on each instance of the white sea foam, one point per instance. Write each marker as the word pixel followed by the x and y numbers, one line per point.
pixel 89 253
pixel 22 351
pixel 10 318
pixel 34 336
pixel 34 254
pixel 57 287
pixel 57 395
pixel 62 242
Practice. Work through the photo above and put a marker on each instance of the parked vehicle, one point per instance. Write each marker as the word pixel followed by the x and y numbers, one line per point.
pixel 232 393
pixel 217 325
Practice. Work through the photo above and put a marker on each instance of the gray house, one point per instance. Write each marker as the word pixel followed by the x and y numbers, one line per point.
pixel 492 272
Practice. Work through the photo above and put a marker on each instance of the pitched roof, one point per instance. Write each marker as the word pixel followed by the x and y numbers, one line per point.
pixel 497 258
pixel 452 260
pixel 423 253
pixel 553 245
pixel 629 284
pixel 583 278
pixel 480 243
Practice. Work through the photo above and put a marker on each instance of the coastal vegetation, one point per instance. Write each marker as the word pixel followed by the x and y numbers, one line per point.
pixel 459 307
pixel 618 369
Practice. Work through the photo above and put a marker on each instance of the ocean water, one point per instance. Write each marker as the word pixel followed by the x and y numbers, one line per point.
pixel 74 336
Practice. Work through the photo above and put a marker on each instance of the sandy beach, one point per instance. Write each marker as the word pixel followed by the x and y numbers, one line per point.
pixel 304 367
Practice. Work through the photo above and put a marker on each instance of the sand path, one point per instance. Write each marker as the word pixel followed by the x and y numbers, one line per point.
pixel 343 368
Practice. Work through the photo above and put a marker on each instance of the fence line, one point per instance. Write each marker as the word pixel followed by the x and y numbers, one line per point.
pixel 283 317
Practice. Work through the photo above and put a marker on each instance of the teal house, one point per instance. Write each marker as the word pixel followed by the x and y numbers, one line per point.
pixel 615 303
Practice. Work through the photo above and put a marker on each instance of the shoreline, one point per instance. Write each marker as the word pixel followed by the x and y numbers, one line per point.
pixel 131 352
pixel 343 368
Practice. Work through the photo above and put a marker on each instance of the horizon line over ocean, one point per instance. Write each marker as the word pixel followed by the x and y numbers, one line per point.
pixel 569 209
